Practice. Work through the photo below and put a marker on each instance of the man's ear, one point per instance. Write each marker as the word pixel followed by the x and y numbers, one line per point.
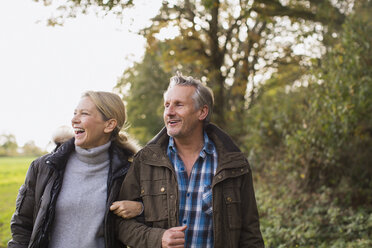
pixel 110 125
pixel 203 112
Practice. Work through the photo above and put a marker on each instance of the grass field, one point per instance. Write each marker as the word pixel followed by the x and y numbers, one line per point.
pixel 12 174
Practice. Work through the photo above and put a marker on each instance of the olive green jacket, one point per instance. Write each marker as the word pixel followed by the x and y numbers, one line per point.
pixel 153 180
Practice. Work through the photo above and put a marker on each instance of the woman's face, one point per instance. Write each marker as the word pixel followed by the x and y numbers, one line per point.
pixel 89 127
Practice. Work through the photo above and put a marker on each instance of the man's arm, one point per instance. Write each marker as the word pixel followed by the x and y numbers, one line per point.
pixel 131 232
pixel 250 233
pixel 136 234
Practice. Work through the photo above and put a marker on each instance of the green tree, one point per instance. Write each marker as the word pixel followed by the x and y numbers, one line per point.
pixel 73 8
pixel 334 144
pixel 142 87
pixel 233 46
pixel 8 145
pixel 31 149
pixel 277 113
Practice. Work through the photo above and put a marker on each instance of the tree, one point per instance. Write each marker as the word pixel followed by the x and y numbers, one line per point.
pixel 72 8
pixel 334 144
pixel 233 46
pixel 8 145
pixel 30 149
pixel 142 87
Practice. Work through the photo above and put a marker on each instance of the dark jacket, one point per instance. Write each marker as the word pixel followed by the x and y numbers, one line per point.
pixel 153 179
pixel 36 200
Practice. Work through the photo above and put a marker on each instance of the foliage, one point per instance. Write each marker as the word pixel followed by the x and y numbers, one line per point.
pixel 310 220
pixel 311 146
pixel 142 87
pixel 72 8
pixel 8 145
pixel 317 132
pixel 12 175
pixel 334 145
pixel 234 45
pixel 273 118
pixel 30 149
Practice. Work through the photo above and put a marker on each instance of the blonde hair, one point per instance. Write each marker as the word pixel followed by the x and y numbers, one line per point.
pixel 111 106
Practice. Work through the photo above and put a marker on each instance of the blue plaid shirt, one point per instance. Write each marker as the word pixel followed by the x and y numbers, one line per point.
pixel 196 193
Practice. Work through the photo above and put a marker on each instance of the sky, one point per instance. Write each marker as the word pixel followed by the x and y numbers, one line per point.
pixel 44 70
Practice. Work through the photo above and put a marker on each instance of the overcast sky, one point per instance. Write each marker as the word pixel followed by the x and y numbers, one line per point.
pixel 44 70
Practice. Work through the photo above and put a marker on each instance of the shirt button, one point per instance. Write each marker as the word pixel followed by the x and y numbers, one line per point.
pixel 184 221
pixel 142 191
pixel 172 196
pixel 229 199
pixel 188 194
pixel 182 169
pixel 162 189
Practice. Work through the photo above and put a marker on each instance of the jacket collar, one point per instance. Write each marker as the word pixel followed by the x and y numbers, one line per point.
pixel 213 132
pixel 118 157
pixel 120 160
pixel 59 158
pixel 229 154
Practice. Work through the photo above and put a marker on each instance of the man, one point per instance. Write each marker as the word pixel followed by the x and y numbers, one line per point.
pixel 195 184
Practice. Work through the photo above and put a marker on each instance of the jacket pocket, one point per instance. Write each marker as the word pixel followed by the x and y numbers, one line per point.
pixel 20 198
pixel 154 196
pixel 233 206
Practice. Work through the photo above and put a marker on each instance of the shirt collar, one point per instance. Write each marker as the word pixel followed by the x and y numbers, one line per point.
pixel 171 145
pixel 208 144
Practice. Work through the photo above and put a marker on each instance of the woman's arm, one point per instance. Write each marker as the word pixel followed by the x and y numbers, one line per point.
pixel 22 221
pixel 127 209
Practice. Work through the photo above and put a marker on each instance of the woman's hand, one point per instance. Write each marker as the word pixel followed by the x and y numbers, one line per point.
pixel 127 209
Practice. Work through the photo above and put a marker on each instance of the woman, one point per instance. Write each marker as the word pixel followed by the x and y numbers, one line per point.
pixel 67 194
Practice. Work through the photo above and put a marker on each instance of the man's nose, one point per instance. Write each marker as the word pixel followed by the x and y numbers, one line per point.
pixel 169 110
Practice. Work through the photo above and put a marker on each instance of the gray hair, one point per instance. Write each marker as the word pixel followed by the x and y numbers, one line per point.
pixel 203 94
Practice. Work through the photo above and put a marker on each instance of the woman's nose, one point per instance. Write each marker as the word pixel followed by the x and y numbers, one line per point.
pixel 74 119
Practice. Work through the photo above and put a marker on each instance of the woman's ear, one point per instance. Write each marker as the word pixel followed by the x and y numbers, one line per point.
pixel 110 125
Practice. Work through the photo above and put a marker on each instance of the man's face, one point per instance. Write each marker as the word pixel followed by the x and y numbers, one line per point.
pixel 181 118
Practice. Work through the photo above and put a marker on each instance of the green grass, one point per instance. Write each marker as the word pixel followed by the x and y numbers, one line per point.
pixel 12 175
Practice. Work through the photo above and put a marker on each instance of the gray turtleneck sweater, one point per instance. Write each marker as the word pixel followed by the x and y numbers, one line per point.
pixel 81 204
